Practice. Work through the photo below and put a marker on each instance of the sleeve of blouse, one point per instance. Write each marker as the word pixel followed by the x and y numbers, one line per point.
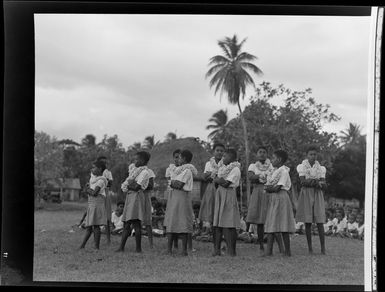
pixel 207 167
pixel 234 175
pixel 301 170
pixel 251 168
pixel 167 172
pixel 284 179
pixel 185 176
pixel 102 185
pixel 323 172
pixel 143 179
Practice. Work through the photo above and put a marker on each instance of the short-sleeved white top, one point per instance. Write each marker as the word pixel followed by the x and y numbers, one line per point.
pixel 170 169
pixel 151 173
pixel 186 177
pixel 256 170
pixel 341 225
pixel 100 182
pixel 360 229
pixel 280 177
pixel 352 226
pixel 143 179
pixel 117 220
pixel 107 174
pixel 208 167
pixel 234 177
pixel 316 171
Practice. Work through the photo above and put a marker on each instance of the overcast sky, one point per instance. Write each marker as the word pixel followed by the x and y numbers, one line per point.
pixel 139 75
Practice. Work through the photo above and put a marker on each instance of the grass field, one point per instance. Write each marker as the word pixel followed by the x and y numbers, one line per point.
pixel 56 258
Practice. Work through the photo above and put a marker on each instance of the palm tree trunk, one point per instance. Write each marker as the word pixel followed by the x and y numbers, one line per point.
pixel 246 151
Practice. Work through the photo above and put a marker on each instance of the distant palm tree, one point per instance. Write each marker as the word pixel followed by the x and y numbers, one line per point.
pixel 170 136
pixel 218 123
pixel 229 74
pixel 351 135
pixel 136 146
pixel 149 142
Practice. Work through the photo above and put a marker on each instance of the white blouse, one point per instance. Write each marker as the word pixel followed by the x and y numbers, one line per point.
pixel 186 177
pixel 99 181
pixel 316 171
pixel 143 179
pixel 107 174
pixel 234 177
pixel 280 177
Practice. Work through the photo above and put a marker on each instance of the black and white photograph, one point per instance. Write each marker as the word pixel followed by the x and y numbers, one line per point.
pixel 204 149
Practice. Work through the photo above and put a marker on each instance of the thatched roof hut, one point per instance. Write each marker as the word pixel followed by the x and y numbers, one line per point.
pixel 161 155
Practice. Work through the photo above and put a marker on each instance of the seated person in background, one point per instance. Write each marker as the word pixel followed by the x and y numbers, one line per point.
pixel 351 226
pixel 339 228
pixel 116 219
pixel 300 228
pixel 328 226
pixel 314 229
pixel 360 227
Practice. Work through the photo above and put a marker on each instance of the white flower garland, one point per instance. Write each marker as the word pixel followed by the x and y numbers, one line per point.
pixel 225 170
pixel 314 172
pixel 263 168
pixel 215 166
pixel 178 170
pixel 134 172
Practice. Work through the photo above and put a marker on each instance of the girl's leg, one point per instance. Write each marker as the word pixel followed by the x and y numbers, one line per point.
pixel 286 241
pixel 308 236
pixel 175 240
pixel 321 233
pixel 97 236
pixel 233 241
pixel 217 238
pixel 270 240
pixel 184 243
pixel 170 240
pixel 149 233
pixel 260 233
pixel 247 226
pixel 189 241
pixel 108 232
pixel 138 234
pixel 278 238
pixel 86 236
pixel 125 234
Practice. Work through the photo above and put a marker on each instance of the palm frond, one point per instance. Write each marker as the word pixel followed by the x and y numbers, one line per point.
pixel 224 48
pixel 246 57
pixel 252 67
pixel 218 59
pixel 214 69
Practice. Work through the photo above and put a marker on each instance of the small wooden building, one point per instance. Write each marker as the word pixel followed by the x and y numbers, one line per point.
pixel 161 157
pixel 67 189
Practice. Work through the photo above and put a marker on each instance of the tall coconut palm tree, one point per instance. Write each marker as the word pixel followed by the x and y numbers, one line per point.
pixel 218 124
pixel 351 135
pixel 149 142
pixel 230 75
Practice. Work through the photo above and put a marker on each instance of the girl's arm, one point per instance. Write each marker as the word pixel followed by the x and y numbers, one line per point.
pixel 273 189
pixel 134 187
pixel 150 184
pixel 306 182
pixel 176 184
pixel 254 178
pixel 94 192
pixel 222 182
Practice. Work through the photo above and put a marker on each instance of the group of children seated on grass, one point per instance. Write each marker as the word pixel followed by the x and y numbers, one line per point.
pixel 340 222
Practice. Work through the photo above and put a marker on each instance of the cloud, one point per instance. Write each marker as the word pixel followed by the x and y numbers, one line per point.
pixel 138 75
